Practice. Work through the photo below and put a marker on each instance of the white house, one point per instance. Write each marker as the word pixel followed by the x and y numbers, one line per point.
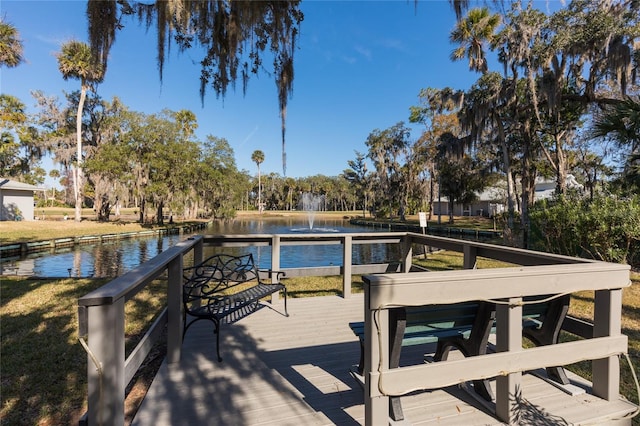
pixel 492 200
pixel 16 200
pixel 489 202
pixel 545 189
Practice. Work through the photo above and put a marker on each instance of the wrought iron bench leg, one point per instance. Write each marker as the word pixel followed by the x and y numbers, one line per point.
pixel 284 291
pixel 216 330
pixel 360 368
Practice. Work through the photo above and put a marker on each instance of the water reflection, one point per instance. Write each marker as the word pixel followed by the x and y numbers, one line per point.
pixel 114 258
pixel 283 225
pixel 303 256
pixel 109 259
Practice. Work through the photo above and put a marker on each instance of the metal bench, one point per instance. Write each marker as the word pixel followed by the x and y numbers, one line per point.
pixel 226 288
pixel 466 327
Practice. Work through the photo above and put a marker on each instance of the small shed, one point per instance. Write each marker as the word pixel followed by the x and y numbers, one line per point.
pixel 16 200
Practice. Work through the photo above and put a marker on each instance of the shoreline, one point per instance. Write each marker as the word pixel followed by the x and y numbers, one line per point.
pixel 296 213
pixel 28 247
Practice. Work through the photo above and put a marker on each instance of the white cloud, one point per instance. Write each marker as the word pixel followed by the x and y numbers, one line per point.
pixel 349 59
pixel 249 136
pixel 363 51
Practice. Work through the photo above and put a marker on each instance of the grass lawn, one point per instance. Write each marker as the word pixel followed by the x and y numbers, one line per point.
pixel 465 222
pixel 44 366
pixel 42 230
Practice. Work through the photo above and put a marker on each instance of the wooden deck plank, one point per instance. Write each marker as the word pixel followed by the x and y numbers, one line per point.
pixel 295 371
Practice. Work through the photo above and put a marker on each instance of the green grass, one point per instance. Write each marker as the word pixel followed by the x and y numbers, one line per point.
pixel 582 307
pixel 449 260
pixel 43 364
pixel 43 230
pixel 320 286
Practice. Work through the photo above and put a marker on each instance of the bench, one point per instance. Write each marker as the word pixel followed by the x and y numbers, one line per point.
pixel 466 327
pixel 224 289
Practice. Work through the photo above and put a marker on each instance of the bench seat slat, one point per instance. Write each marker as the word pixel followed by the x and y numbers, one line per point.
pixel 234 302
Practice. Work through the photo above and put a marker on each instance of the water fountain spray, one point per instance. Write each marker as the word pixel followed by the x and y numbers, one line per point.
pixel 311 204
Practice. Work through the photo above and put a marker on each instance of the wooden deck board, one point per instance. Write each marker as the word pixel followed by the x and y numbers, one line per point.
pixel 295 371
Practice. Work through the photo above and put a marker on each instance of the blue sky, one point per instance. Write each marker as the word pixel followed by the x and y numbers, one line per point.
pixel 359 67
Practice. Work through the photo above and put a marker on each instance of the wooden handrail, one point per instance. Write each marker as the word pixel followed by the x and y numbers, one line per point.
pixel 506 287
pixel 101 312
pixel 101 329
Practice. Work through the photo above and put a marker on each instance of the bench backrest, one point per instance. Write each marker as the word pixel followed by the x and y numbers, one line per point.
pixel 218 273
pixel 458 315
pixel 442 316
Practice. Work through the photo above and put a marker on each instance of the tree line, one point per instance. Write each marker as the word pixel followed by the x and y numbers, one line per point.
pixel 153 162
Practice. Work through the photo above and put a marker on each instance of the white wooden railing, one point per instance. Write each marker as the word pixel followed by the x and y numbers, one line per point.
pixel 507 287
pixel 347 241
pixel 101 329
pixel 101 312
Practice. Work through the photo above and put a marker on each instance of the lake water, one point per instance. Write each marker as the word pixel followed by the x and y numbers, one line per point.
pixel 112 259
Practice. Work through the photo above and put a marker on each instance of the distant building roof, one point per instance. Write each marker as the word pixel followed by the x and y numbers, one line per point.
pixel 492 193
pixel 544 189
pixel 20 186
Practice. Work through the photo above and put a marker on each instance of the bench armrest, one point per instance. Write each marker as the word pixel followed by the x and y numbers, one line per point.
pixel 270 273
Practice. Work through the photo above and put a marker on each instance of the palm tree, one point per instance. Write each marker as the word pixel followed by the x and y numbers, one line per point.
pixel 621 123
pixel 10 45
pixel 258 157
pixel 438 112
pixel 76 61
pixel 471 33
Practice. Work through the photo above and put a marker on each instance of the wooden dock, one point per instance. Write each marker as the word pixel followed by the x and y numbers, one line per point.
pixel 295 371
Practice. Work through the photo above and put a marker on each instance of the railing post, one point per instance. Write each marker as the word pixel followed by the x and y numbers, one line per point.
pixel 275 263
pixel 376 408
pixel 607 321
pixel 508 339
pixel 198 252
pixel 406 253
pixel 174 308
pixel 105 382
pixel 347 250
pixel 469 252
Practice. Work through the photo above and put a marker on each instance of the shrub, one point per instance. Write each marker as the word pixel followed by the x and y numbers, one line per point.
pixel 606 228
